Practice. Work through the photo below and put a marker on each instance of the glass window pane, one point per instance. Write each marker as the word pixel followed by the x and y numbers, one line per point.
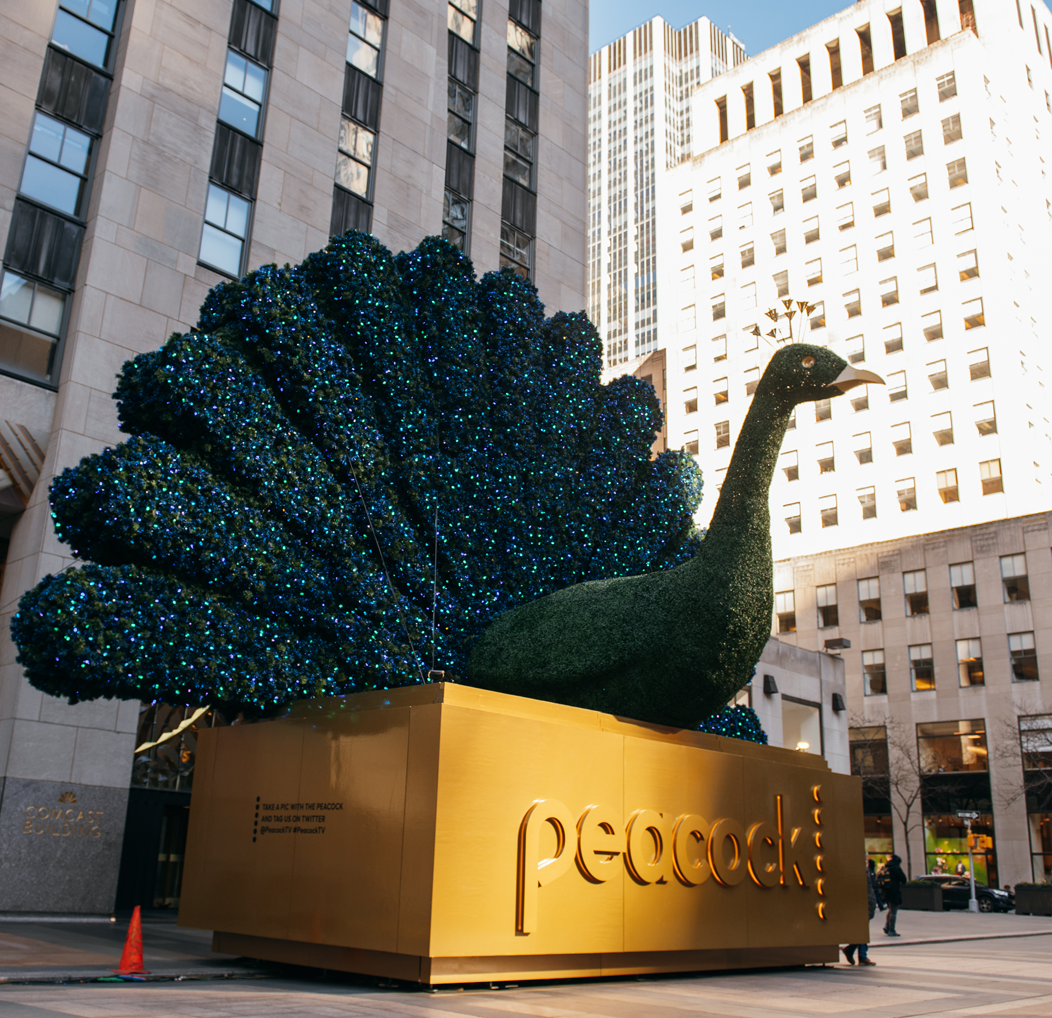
pixel 469 7
pixel 461 25
pixel 47 310
pixel 455 211
pixel 101 13
pixel 522 42
pixel 47 138
pixel 459 130
pixel 518 139
pixel 75 151
pixel 363 56
pixel 51 185
pixel 221 250
pixel 357 141
pixel 80 7
pixel 27 353
pixel 519 68
pixel 352 175
pixel 255 81
pixel 367 25
pixel 237 215
pixel 461 100
pixel 239 112
pixel 234 75
pixel 74 36
pixel 215 209
pixel 16 297
pixel 515 168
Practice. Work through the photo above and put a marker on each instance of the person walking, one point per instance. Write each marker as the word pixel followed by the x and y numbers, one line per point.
pixel 871 870
pixel 871 894
pixel 890 879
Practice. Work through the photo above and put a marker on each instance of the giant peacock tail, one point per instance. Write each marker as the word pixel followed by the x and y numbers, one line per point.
pixel 341 476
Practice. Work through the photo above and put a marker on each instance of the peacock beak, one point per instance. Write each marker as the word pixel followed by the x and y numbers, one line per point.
pixel 850 377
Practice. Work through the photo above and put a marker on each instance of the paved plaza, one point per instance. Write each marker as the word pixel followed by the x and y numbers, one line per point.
pixel 946 964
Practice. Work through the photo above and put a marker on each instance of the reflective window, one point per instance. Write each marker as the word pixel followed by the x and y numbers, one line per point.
pixel 225 229
pixel 24 302
pixel 520 146
pixel 460 115
pixel 915 589
pixel 363 43
pixel 462 17
pixel 85 29
pixel 522 53
pixel 950 746
pixel 56 165
pixel 243 86
pixel 516 249
pixel 355 157
pixel 455 214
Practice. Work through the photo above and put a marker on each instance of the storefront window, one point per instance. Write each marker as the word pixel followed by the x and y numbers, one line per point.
pixel 1035 742
pixel 946 847
pixel 879 843
pixel 1041 845
pixel 950 746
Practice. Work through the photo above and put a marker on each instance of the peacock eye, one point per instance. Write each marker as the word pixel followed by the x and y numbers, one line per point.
pixel 808 362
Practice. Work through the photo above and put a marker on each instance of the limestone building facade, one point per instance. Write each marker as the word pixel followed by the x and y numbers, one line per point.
pixel 150 150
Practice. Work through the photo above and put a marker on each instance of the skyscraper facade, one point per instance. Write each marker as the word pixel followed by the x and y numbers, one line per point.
pixel 151 151
pixel 639 124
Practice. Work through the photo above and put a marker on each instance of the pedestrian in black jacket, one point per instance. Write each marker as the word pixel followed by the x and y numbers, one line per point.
pixel 863 949
pixel 890 879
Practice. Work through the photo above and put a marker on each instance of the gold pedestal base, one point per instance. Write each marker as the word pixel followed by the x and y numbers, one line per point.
pixel 444 834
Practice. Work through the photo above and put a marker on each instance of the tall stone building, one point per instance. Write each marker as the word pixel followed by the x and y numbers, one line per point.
pixel 151 150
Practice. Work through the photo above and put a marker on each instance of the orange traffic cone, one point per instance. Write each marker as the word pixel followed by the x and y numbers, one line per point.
pixel 131 959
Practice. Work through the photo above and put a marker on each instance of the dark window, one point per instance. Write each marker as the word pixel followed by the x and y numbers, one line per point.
pixel 464 63
pixel 73 91
pixel 835 72
pixel 527 13
pixel 521 103
pixel 865 46
pixel 349 212
pixel 874 683
pixel 1014 578
pixel 519 207
pixel 952 746
pixel 1024 657
pixel 460 170
pixel 962 585
pixel 43 244
pixel 520 148
pixel 750 107
pixel 235 160
pixel 869 600
pixel 828 613
pixel 361 98
pixel 915 588
pixel 898 34
pixel 804 63
pixel 252 31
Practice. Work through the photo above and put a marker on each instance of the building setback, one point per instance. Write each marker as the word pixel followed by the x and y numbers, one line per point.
pixel 151 151
pixel 639 124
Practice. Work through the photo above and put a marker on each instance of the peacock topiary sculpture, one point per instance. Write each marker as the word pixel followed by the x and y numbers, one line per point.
pixel 339 479
pixel 672 647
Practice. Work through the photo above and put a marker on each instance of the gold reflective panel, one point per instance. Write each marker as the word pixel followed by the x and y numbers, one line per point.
pixel 440 833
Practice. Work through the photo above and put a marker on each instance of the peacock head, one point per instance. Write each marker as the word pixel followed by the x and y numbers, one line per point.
pixel 800 372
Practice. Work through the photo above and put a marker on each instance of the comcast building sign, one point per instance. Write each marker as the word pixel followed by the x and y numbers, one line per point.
pixel 446 834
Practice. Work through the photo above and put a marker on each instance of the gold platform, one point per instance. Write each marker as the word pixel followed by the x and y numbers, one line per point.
pixel 445 834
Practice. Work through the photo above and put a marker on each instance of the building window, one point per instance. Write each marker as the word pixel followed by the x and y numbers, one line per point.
pixel 881 202
pixel 915 589
pixel 29 351
pixel 948 747
pixel 942 428
pixel 842 174
pixel 838 132
pixel 849 260
pixel 893 338
pixel 874 122
pixel 962 218
pixel 970 663
pixel 811 233
pixel 689 359
pixel 853 304
pixel 986 418
pixel 806 146
pixel 864 447
pixel 748 258
pixel 878 162
pixel 825 457
pixel 690 400
pixel 460 123
pixel 968 265
pixel 973 313
pixel 715 189
pixel 946 482
pixel 364 40
pixel 867 499
pixel 874 678
pixel 813 272
pixel 947 86
pixel 752 379
pixel 937 375
pixel 355 158
pixel 845 216
pixel 719 348
pixel 774 163
pixel 898 34
pixel 522 53
pixel 686 236
pixel 869 599
pixel 901 441
pixel 931 326
pixel 715 230
pixel 85 29
pixel 721 392
pixel 461 18
pixel 244 85
pixel 723 434
pixel 715 267
pixel 885 245
pixel 865 49
pixel 1014 580
pixel 906 492
pixel 781 283
pixel 1023 655
pixel 808 189
pixel 910 105
pixel 785 610
pixel 56 168
pixel 922 667
pixel 690 442
pixel 719 307
pixel 951 129
pixel 825 599
pixel 957 172
pixel 777 199
pixel 745 216
pixel 861 400
pixel 823 409
pixel 979 364
pixel 962 585
pixel 914 143
pixel 225 229
pixel 790 465
pixel 778 240
pixel 918 187
pixel 456 221
pixel 827 510
pixel 744 177
pixel 792 518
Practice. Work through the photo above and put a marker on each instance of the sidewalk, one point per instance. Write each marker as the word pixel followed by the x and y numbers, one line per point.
pixel 85 951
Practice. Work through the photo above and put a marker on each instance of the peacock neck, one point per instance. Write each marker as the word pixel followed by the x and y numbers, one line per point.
pixel 744 494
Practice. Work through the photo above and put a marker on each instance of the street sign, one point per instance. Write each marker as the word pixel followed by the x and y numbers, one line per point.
pixel 967 814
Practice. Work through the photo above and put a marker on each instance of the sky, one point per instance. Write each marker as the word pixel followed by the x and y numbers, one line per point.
pixel 758 24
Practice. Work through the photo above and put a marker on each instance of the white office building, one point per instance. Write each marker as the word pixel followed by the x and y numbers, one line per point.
pixel 639 124
pixel 888 166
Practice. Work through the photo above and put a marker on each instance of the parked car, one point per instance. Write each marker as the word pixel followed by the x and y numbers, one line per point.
pixel 956 892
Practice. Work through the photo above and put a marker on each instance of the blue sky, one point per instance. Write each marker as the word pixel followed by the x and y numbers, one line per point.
pixel 759 24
